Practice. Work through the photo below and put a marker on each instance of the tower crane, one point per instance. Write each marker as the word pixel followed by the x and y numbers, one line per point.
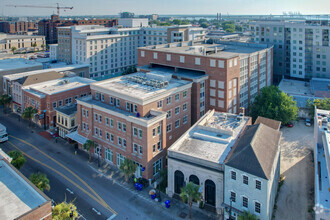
pixel 39 6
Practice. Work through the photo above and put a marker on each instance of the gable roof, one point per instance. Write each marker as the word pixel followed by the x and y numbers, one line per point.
pixel 38 78
pixel 255 151
pixel 269 122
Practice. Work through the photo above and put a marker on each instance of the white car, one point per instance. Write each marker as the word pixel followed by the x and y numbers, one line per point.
pixel 308 122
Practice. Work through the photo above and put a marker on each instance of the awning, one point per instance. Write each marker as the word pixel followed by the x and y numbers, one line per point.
pixel 77 137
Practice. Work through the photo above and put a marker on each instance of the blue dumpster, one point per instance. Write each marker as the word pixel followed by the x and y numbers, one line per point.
pixel 167 203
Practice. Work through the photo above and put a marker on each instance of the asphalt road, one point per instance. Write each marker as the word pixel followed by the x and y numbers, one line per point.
pixel 73 179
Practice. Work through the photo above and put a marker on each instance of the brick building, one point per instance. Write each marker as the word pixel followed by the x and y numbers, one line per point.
pixel 136 116
pixel 18 27
pixel 48 27
pixel 47 96
pixel 225 75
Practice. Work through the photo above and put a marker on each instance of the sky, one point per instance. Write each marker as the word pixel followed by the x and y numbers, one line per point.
pixel 139 7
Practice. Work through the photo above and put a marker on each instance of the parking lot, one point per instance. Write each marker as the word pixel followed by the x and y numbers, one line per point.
pixel 296 194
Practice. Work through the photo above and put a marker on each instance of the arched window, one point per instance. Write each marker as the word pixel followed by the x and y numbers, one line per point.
pixel 194 179
pixel 178 181
pixel 209 192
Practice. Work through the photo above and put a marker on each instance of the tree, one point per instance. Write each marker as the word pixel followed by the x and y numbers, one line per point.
pixel 34 45
pixel 247 216
pixel 28 113
pixel 89 145
pixel 18 160
pixel 205 25
pixel 272 103
pixel 5 100
pixel 42 46
pixel 64 211
pixel 128 168
pixel 13 49
pixel 40 180
pixel 323 104
pixel 190 193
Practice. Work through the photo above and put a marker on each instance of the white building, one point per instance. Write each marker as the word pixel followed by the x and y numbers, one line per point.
pixel 133 22
pixel 199 155
pixel 53 48
pixel 322 164
pixel 252 171
pixel 111 51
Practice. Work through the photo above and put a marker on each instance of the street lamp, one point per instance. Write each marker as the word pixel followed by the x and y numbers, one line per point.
pixel 71 214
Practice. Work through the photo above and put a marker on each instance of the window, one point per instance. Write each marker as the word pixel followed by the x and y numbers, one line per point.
pixel 100 118
pixel 108 155
pixel 245 202
pixel 169 114
pixel 140 150
pixel 119 125
pixel 155 56
pixel 245 180
pixel 185 119
pixel 158 130
pixel 111 122
pixel 154 132
pixel 119 141
pixel 120 159
pixel 96 131
pixel 100 132
pixel 159 145
pixel 124 127
pixel 177 97
pixel 177 123
pixel 184 94
pixel 112 138
pixel 233 196
pixel 135 147
pixel 257 207
pixel 135 132
pixel 140 133
pixel 118 102
pixel 221 64
pixel 198 61
pixel 107 121
pixel 102 97
pixel 168 57
pixel 181 59
pixel 154 148
pixel 142 53
pixel 111 100
pixel 124 143
pixel 258 184
pixel 169 100
pixel 95 116
pixel 212 63
pixel 54 104
pixel 60 103
pixel 157 166
pixel 233 175
pixel 177 110
pixel 107 135
pixel 169 128
pixel 159 104
pixel 212 83
pixel 68 101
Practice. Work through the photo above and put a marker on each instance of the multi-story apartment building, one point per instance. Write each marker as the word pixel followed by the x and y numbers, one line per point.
pixel 225 75
pixel 301 49
pixel 7 42
pixel 110 51
pixel 18 27
pixel 47 96
pixel 137 116
pixel 322 164
pixel 48 27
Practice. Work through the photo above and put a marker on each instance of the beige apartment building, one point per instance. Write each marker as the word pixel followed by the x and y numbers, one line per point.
pixel 7 42
pixel 225 75
pixel 137 116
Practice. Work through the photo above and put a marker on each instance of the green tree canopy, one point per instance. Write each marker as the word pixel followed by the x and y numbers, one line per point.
pixel 323 104
pixel 274 104
pixel 204 25
pixel 247 216
pixel 190 193
pixel 5 100
pixel 89 145
pixel 28 113
pixel 40 180
pixel 128 168
pixel 64 211
pixel 13 49
pixel 18 159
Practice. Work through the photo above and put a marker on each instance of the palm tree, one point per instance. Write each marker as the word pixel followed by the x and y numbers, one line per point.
pixel 34 45
pixel 89 145
pixel 40 180
pixel 28 114
pixel 247 216
pixel 13 49
pixel 128 168
pixel 190 193
pixel 18 160
pixel 5 100
pixel 64 211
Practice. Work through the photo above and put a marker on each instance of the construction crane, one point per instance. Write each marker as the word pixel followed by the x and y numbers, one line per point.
pixel 39 6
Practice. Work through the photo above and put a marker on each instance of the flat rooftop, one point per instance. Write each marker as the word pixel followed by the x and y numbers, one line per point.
pixel 17 196
pixel 212 138
pixel 57 86
pixel 141 85
pixel 67 110
pixel 61 68
pixel 295 87
pixel 225 50
pixel 17 63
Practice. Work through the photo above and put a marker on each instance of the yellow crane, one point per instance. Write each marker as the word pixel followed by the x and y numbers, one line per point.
pixel 40 6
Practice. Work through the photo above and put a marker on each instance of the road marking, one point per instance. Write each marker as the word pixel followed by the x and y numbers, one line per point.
pixel 97 212
pixel 112 217
pixel 70 191
pixel 83 182
pixel 65 177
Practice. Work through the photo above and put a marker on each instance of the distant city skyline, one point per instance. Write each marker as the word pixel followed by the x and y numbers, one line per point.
pixel 140 7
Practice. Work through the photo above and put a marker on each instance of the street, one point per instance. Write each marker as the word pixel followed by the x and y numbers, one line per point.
pixel 72 178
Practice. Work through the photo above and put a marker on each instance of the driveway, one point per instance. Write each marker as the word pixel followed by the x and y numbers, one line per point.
pixel 296 194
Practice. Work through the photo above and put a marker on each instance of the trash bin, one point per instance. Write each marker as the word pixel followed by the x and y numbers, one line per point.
pixel 167 203
pixel 136 185
pixel 153 196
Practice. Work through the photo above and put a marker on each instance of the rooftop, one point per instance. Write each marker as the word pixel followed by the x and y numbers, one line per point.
pixel 17 195
pixel 60 69
pixel 225 50
pixel 211 138
pixel 67 110
pixel 141 85
pixel 12 36
pixel 295 87
pixel 17 63
pixel 57 86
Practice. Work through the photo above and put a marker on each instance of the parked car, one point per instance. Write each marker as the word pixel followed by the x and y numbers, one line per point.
pixel 290 125
pixel 308 122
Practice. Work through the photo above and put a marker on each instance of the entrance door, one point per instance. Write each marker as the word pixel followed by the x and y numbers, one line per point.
pixel 210 192
pixel 178 181
pixel 54 121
